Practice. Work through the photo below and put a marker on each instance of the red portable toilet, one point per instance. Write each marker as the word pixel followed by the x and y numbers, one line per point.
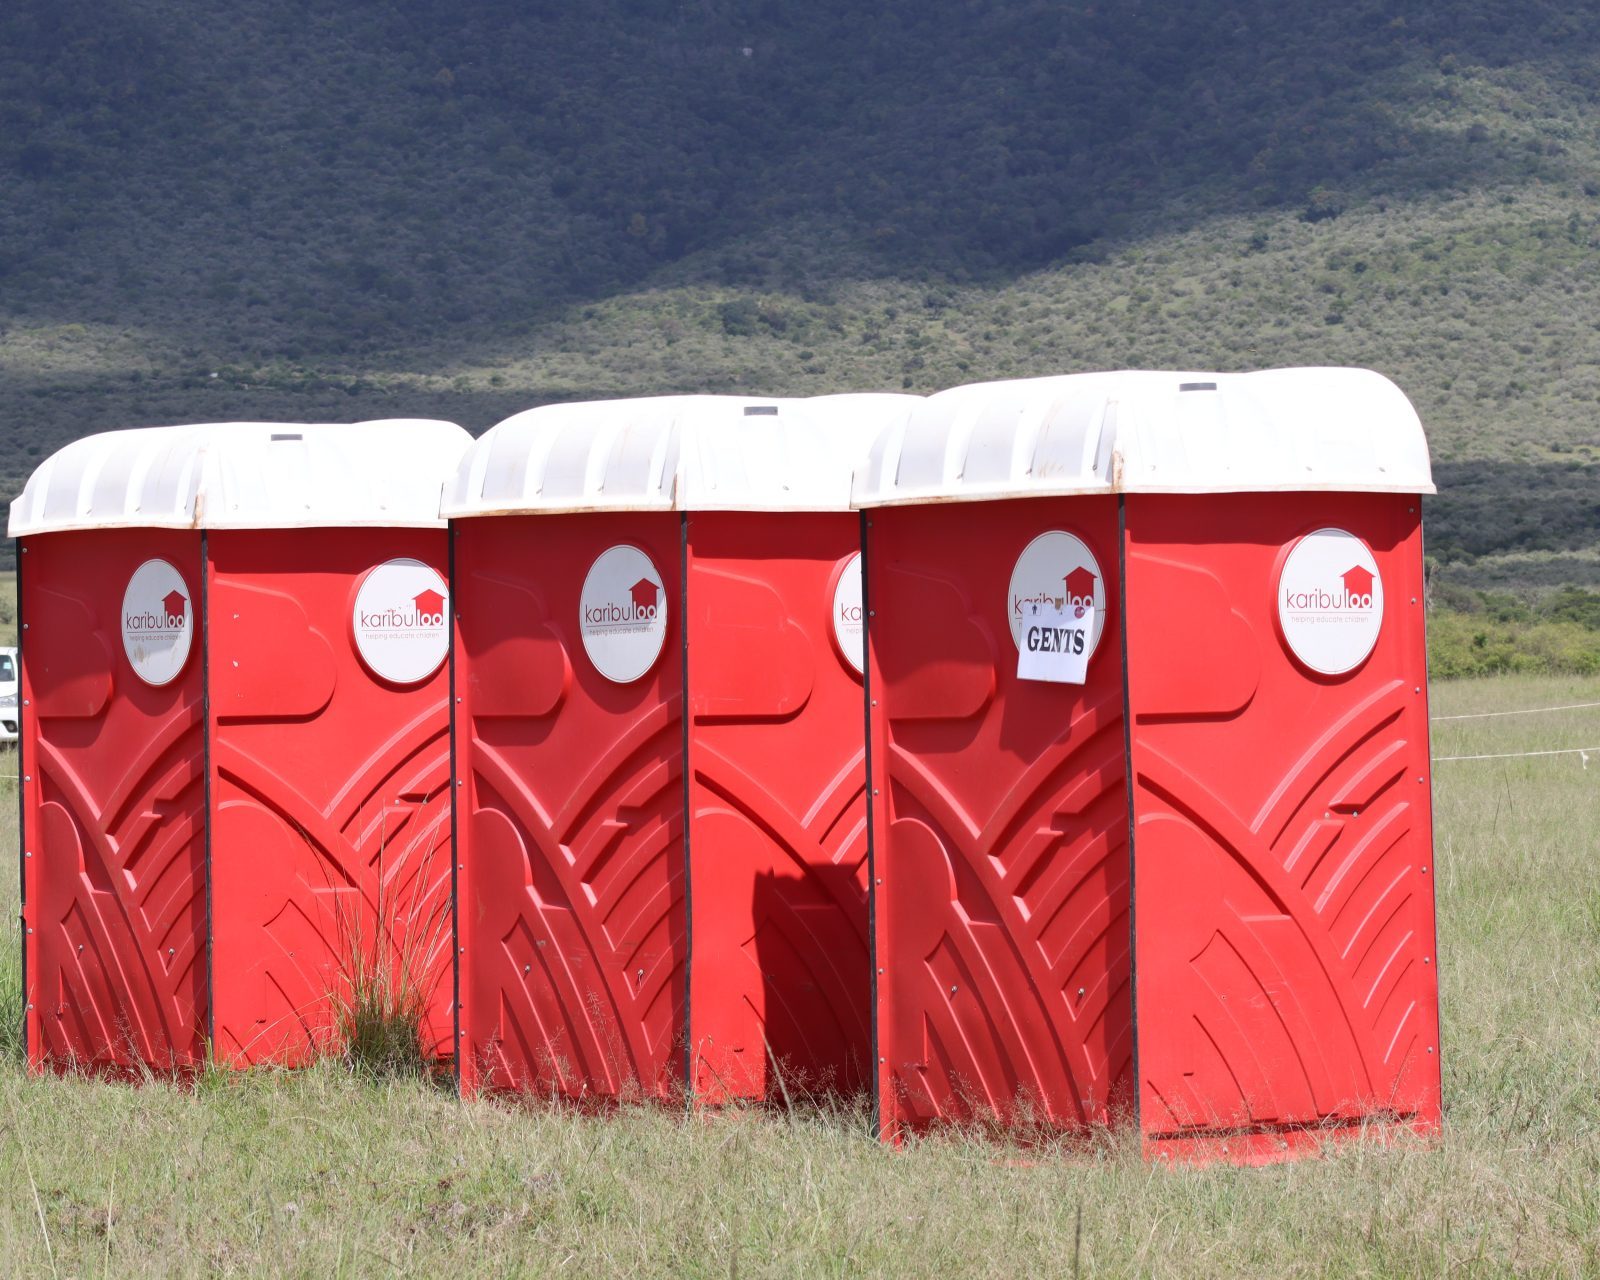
pixel 1264 589
pixel 999 811
pixel 649 899
pixel 1286 989
pixel 236 738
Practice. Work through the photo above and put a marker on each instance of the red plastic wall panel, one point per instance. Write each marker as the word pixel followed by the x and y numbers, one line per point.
pixel 999 830
pixel 330 836
pixel 113 812
pixel 571 831
pixel 779 983
pixel 1282 846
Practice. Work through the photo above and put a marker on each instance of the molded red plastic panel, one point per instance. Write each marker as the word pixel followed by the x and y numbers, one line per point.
pixel 113 812
pixel 330 838
pixel 779 985
pixel 999 830
pixel 571 826
pixel 1282 841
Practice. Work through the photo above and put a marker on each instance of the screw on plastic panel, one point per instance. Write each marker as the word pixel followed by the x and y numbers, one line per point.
pixel 952 988
pixel 172 951
pixel 462 950
pixel 879 880
pixel 1430 1048
pixel 459 782
pixel 1080 993
pixel 527 968
pixel 1424 870
pixel 1427 959
pixel 461 866
pixel 880 970
pixel 28 854
pixel 872 613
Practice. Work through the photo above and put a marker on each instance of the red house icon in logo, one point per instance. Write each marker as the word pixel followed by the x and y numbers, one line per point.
pixel 172 604
pixel 429 603
pixel 1358 582
pixel 1080 585
pixel 644 593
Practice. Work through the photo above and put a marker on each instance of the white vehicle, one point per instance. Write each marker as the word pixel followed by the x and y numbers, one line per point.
pixel 10 683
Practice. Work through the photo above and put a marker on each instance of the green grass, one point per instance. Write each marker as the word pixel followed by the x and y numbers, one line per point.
pixel 330 1172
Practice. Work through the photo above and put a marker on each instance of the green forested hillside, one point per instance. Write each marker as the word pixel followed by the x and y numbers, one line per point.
pixel 281 209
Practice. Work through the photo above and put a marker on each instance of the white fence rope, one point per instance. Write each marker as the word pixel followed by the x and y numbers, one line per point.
pixel 1520 755
pixel 1525 711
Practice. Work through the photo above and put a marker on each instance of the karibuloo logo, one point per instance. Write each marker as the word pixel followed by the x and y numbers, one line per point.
pixel 1330 601
pixel 1057 568
pixel 849 634
pixel 401 621
pixel 157 622
pixel 622 613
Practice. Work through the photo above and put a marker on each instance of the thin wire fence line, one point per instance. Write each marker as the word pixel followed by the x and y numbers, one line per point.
pixel 1525 711
pixel 1522 755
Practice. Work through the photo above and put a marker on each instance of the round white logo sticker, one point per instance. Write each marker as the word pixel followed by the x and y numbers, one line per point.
pixel 1330 601
pixel 847 614
pixel 400 621
pixel 622 614
pixel 1056 568
pixel 157 622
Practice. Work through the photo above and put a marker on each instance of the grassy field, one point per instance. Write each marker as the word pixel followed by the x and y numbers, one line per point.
pixel 324 1174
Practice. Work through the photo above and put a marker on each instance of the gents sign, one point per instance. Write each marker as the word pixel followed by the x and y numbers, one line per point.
pixel 622 614
pixel 1330 601
pixel 1056 640
pixel 400 621
pixel 847 614
pixel 157 622
pixel 1057 570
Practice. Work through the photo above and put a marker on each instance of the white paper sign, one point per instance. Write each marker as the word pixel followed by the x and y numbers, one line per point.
pixel 1055 641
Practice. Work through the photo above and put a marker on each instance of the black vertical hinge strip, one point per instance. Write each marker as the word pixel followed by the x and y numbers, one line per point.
pixel 872 859
pixel 688 900
pixel 1127 769
pixel 452 697
pixel 202 631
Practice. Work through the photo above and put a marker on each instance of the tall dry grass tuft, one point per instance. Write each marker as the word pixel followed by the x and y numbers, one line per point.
pixel 11 1003
pixel 388 964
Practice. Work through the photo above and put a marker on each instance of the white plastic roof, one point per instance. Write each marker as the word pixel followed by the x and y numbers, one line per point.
pixel 674 453
pixel 244 475
pixel 1144 432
